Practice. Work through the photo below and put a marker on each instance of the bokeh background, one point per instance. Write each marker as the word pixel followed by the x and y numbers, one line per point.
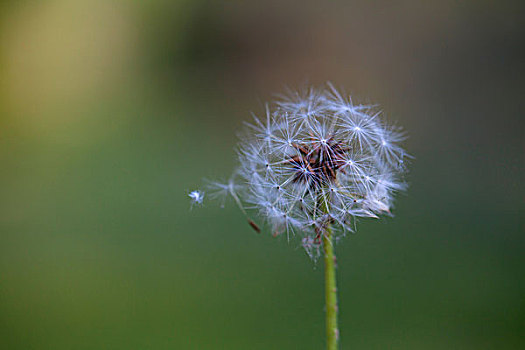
pixel 111 111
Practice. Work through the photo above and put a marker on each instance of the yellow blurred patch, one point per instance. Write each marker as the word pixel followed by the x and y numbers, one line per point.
pixel 58 53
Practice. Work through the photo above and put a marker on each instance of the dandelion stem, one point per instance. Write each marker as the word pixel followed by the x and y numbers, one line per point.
pixel 332 332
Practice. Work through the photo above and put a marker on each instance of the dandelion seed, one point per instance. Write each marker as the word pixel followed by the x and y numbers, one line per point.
pixel 197 197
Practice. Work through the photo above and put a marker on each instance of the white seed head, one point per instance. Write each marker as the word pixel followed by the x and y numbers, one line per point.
pixel 316 159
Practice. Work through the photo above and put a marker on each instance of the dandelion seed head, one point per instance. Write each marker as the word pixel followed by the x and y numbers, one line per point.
pixel 312 146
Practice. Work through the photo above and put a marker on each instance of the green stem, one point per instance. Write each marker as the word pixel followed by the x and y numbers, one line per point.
pixel 332 332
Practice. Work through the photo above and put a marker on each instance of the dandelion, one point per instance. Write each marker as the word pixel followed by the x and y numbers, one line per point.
pixel 313 164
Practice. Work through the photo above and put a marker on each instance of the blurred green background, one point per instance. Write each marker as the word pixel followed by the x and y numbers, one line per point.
pixel 111 111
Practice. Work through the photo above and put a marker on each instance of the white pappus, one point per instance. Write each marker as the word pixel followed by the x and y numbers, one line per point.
pixel 196 197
